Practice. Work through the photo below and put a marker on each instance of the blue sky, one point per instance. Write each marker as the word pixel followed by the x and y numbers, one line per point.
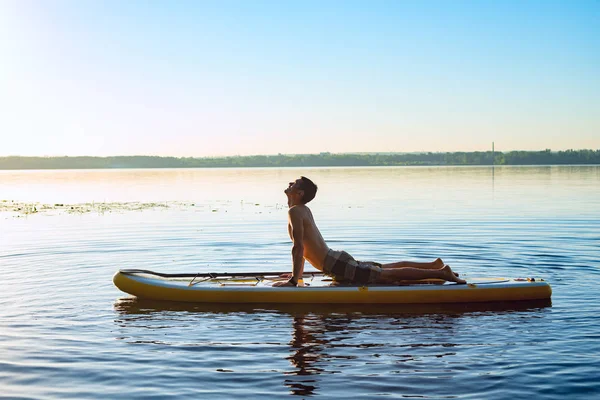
pixel 194 78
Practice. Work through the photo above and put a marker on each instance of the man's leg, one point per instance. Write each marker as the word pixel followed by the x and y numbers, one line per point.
pixel 437 264
pixel 390 275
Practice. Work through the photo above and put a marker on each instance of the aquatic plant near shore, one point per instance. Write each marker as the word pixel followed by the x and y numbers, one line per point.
pixel 27 208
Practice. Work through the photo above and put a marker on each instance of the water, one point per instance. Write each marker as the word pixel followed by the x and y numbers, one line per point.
pixel 67 332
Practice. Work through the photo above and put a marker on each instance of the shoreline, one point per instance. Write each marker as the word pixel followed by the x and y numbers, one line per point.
pixel 300 167
pixel 324 160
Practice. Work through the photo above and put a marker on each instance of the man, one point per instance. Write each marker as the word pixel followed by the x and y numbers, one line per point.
pixel 308 244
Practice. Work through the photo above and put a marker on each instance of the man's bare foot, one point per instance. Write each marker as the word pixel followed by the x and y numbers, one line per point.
pixel 439 264
pixel 449 275
pixel 455 273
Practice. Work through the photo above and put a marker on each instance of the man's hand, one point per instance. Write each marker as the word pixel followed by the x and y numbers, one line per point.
pixel 283 284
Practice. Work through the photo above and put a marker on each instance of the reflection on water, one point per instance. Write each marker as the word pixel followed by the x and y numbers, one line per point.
pixel 321 341
pixel 131 306
pixel 307 347
pixel 404 190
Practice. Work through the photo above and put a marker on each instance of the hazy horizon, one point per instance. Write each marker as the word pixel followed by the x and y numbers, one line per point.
pixel 295 154
pixel 212 79
pixel 292 154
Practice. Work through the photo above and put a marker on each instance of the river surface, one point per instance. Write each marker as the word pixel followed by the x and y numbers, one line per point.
pixel 67 333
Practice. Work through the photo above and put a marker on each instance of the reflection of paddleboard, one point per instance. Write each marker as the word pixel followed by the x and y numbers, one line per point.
pixel 318 288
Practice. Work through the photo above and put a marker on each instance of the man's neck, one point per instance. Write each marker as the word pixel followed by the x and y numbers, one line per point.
pixel 292 203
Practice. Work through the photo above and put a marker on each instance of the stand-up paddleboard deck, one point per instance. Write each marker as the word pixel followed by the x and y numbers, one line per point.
pixel 318 288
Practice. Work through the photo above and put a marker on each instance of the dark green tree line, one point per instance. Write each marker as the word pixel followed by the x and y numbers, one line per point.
pixel 545 157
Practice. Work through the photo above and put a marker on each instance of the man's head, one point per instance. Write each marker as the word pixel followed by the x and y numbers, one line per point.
pixel 303 189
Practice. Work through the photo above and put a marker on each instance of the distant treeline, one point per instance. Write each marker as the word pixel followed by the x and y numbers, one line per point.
pixel 545 157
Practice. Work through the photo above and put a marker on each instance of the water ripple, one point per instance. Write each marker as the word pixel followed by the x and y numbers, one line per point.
pixel 66 332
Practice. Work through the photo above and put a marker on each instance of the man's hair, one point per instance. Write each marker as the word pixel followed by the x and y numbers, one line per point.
pixel 309 188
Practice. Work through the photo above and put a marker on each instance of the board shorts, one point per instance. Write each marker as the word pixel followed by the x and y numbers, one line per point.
pixel 344 268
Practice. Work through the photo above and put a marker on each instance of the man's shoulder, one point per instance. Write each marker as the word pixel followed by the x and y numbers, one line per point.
pixel 298 210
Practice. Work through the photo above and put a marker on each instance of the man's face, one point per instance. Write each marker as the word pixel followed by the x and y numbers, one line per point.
pixel 293 187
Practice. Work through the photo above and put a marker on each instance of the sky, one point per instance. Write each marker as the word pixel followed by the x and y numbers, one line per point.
pixel 213 78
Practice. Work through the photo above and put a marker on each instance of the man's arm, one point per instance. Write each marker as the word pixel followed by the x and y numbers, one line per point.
pixel 297 225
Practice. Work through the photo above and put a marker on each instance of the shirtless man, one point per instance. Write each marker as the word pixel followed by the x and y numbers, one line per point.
pixel 308 244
